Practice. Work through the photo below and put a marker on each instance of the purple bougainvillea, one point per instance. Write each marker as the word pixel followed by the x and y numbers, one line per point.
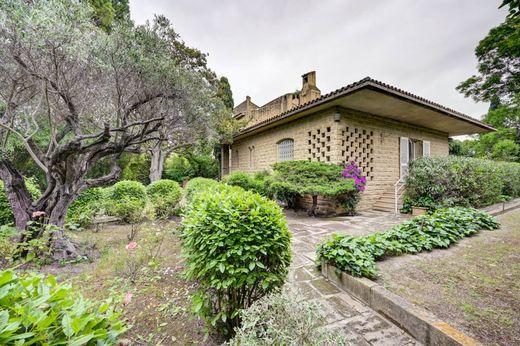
pixel 352 171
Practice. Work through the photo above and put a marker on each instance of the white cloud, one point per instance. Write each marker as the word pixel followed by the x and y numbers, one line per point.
pixel 263 47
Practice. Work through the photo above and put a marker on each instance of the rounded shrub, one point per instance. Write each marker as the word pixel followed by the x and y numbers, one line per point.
pixel 164 195
pixel 198 185
pixel 36 310
pixel 6 213
pixel 126 199
pixel 237 246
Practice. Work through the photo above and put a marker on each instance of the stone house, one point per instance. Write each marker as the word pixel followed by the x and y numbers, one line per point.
pixel 378 126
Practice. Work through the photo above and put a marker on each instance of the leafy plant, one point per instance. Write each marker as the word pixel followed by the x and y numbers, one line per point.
pixel 436 182
pixel 258 183
pixel 357 255
pixel 6 213
pixel 297 178
pixel 196 186
pixel 127 199
pixel 35 309
pixel 164 195
pixel 285 318
pixel 237 246
pixel 83 210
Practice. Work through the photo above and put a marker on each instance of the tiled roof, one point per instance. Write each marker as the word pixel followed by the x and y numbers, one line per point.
pixel 367 81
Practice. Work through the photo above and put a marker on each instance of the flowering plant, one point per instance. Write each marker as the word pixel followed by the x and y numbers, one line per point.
pixel 352 171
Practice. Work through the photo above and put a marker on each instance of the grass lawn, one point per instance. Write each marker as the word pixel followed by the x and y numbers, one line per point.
pixel 474 286
pixel 159 311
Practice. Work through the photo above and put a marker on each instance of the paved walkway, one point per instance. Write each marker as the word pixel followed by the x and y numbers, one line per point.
pixel 361 325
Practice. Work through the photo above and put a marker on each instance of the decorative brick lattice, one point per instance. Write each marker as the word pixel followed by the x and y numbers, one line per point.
pixel 358 146
pixel 319 145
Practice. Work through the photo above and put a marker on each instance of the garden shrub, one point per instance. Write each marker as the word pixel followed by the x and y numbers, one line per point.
pixel 83 210
pixel 6 213
pixel 164 195
pixel 436 182
pixel 297 178
pixel 285 318
pixel 357 255
pixel 237 247
pixel 126 199
pixel 196 186
pixel 258 183
pixel 37 310
pixel 7 245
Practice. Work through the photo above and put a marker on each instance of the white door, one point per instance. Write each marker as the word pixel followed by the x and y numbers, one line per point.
pixel 404 155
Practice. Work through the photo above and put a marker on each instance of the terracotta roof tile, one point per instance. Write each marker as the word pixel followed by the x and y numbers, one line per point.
pixel 367 81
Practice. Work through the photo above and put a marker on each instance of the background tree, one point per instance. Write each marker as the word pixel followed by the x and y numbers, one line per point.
pixel 497 82
pixel 498 55
pixel 100 95
pixel 514 7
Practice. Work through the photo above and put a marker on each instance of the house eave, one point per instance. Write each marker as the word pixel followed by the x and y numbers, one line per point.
pixel 373 97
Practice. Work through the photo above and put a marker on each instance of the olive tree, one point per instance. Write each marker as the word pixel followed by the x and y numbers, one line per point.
pixel 96 95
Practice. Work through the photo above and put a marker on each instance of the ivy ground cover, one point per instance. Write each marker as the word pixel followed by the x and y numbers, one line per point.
pixel 440 229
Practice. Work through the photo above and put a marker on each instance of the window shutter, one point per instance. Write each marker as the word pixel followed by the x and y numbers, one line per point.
pixel 404 157
pixel 426 148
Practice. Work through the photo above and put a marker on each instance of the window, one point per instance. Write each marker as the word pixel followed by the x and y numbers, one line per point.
pixel 286 149
pixel 252 157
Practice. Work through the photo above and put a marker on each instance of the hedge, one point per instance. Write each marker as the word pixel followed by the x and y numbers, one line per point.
pixel 357 255
pixel 164 195
pixel 436 182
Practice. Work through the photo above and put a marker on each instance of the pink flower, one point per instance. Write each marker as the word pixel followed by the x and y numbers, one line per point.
pixel 128 298
pixel 131 245
pixel 37 214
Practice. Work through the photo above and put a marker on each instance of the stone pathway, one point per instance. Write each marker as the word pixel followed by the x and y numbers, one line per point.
pixel 361 324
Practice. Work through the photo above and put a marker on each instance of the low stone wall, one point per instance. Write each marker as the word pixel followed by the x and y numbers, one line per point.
pixel 327 206
pixel 418 322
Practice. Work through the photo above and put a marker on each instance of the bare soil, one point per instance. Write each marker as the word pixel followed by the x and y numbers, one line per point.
pixel 160 309
pixel 474 286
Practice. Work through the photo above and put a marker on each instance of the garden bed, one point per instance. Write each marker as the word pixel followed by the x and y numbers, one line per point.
pixel 472 286
pixel 160 308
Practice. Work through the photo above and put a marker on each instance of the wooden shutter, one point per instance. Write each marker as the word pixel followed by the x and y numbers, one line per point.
pixel 426 148
pixel 404 157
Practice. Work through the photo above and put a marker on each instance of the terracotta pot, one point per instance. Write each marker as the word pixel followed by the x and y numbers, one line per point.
pixel 419 211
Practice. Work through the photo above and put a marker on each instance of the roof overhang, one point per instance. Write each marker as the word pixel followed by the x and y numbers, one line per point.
pixel 379 99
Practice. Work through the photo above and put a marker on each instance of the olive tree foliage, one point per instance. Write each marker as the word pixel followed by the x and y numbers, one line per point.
pixel 98 94
pixel 170 140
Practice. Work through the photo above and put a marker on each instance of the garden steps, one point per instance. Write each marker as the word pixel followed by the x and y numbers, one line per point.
pixel 387 201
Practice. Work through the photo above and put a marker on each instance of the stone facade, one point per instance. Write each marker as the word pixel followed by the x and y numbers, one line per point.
pixel 371 141
pixel 254 114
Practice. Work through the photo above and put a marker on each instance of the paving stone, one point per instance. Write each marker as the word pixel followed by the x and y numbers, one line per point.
pixel 306 290
pixel 325 287
pixel 300 274
pixel 358 322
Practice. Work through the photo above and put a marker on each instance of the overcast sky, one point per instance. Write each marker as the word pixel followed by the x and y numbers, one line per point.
pixel 263 47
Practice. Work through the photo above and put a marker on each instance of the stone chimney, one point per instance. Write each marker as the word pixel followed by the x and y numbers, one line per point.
pixel 309 90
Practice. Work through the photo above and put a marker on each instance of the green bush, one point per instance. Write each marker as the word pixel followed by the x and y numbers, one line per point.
pixel 436 182
pixel 7 245
pixel 164 195
pixel 83 210
pixel 126 199
pixel 258 183
pixel 285 318
pixel 357 255
pixel 297 178
pixel 237 247
pixel 6 213
pixel 196 186
pixel 37 310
